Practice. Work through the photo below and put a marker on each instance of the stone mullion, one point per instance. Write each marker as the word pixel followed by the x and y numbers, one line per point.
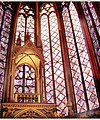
pixel 54 93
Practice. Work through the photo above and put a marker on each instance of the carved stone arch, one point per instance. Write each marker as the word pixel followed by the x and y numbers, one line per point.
pixel 29 110
pixel 29 60
pixel 30 113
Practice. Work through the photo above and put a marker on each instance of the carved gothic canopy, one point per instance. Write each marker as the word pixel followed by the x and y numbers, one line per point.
pixel 28 54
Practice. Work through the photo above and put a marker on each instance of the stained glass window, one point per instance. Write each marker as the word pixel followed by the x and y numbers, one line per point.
pixel 21 28
pixel 5 15
pixel 25 24
pixel 84 87
pixel 54 75
pixel 94 37
pixel 24 80
pixel 1 14
pixel 95 17
pixel 47 57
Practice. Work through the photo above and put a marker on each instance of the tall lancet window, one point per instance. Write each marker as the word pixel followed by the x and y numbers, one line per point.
pixel 25 24
pixel 1 14
pixel 93 25
pixel 95 17
pixel 54 74
pixel 82 77
pixel 5 21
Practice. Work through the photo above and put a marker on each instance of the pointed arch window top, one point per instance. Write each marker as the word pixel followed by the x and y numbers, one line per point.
pixel 25 9
pixel 25 24
pixel 47 8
